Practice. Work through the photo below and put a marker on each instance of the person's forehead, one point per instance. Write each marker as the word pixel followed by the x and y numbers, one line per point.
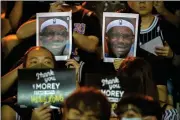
pixel 86 112
pixel 39 52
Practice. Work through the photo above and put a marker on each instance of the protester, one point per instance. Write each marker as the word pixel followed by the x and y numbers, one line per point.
pixel 136 77
pixel 151 28
pixel 35 57
pixel 86 103
pixel 85 27
pixel 138 107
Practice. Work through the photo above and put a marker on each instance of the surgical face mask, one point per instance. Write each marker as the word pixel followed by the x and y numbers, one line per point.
pixel 131 118
pixel 39 66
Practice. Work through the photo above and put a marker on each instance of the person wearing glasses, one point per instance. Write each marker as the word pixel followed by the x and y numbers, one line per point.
pixel 120 38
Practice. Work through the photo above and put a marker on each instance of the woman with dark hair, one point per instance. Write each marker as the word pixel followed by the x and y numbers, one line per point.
pixel 88 103
pixel 139 107
pixel 136 77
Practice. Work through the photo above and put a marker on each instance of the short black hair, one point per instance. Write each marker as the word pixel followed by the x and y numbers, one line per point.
pixel 93 99
pixel 146 104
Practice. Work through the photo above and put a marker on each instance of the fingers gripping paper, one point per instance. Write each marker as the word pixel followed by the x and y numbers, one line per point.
pixel 150 46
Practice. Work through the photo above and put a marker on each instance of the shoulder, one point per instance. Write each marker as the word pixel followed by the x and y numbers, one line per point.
pixel 171 113
pixel 169 107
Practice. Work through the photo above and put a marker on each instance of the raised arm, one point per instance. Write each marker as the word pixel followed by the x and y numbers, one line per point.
pixel 8 79
pixel 87 43
pixel 16 14
pixel 26 30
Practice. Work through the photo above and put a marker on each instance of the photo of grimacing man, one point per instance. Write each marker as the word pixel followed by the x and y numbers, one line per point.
pixel 120 38
pixel 54 36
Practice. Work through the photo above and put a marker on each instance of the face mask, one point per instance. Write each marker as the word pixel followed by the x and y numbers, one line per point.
pixel 39 66
pixel 131 118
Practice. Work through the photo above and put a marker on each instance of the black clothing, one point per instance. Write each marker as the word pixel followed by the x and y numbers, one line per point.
pixel 86 23
pixel 99 67
pixel 160 65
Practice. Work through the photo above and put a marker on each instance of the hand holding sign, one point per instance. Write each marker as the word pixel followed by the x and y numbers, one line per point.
pixel 164 51
pixel 42 113
pixel 71 63
pixel 117 63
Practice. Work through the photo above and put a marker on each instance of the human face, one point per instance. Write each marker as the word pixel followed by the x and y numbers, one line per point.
pixel 39 58
pixel 131 112
pixel 120 40
pixel 55 38
pixel 142 7
pixel 74 114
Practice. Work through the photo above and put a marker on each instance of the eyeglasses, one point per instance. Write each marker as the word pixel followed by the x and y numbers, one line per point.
pixel 124 36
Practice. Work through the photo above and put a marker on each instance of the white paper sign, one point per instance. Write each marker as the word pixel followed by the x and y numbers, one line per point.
pixel 150 46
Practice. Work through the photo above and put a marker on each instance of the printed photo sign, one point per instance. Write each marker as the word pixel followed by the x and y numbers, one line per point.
pixel 119 35
pixel 40 86
pixel 53 31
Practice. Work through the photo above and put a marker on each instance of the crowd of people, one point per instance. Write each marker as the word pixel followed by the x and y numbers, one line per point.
pixel 144 78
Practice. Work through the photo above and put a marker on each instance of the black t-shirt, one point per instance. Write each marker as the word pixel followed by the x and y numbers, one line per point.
pixel 99 67
pixel 86 24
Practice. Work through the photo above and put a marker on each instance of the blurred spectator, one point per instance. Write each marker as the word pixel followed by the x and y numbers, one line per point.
pixel 139 107
pixel 136 78
pixel 152 27
pixel 86 103
pixel 85 27
pixel 84 22
pixel 135 75
pixel 36 57
pixel 9 81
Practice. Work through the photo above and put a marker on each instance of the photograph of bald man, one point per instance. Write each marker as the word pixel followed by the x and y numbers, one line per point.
pixel 120 36
pixel 54 35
